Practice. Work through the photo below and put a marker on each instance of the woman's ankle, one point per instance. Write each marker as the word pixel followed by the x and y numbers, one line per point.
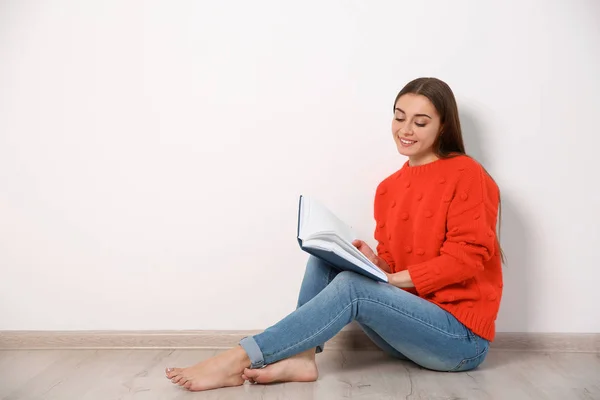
pixel 308 354
pixel 241 357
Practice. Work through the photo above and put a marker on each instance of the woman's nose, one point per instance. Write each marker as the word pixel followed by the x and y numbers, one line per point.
pixel 406 130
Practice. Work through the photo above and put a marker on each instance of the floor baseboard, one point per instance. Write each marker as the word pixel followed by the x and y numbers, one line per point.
pixel 345 340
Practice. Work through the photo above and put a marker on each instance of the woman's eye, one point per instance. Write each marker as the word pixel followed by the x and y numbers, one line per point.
pixel 419 125
pixel 400 119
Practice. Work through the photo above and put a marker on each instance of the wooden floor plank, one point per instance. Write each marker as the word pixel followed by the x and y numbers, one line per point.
pixel 17 367
pixel 139 375
pixel 39 378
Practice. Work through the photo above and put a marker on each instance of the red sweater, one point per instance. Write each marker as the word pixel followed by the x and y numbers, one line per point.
pixel 438 220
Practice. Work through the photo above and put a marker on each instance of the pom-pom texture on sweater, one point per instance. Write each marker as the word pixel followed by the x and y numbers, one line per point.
pixel 438 220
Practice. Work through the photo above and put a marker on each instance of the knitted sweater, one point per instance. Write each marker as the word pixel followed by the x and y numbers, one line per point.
pixel 438 220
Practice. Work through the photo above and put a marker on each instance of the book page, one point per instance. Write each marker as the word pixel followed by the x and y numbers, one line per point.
pixel 341 252
pixel 315 218
pixel 316 221
pixel 348 247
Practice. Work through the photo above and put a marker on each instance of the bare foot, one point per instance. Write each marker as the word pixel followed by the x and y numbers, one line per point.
pixel 299 368
pixel 219 371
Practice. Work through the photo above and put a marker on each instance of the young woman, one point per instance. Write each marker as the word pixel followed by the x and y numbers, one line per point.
pixel 436 222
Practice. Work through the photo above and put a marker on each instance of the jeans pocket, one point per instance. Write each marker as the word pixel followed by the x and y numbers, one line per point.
pixel 468 364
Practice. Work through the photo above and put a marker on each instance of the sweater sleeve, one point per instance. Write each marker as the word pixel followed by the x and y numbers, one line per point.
pixel 470 235
pixel 382 249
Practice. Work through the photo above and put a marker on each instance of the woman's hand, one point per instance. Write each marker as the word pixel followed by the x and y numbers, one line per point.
pixel 370 254
pixel 400 279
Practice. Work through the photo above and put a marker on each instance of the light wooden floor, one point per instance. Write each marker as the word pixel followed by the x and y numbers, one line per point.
pixel 139 374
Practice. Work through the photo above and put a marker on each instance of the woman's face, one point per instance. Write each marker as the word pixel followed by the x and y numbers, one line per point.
pixel 415 127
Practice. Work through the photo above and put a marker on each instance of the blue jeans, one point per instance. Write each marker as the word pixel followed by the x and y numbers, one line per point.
pixel 400 323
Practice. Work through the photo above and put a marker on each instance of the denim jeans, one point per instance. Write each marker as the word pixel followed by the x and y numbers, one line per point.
pixel 400 323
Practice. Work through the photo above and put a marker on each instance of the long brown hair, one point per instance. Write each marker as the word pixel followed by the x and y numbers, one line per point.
pixel 449 141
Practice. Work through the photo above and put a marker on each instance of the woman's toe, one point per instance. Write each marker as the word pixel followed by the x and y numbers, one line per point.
pixel 172 372
pixel 251 373
pixel 183 381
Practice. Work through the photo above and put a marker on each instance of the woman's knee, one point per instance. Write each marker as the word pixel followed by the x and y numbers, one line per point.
pixel 351 282
pixel 320 273
pixel 352 277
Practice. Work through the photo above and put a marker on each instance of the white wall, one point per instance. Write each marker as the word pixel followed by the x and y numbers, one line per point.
pixel 152 153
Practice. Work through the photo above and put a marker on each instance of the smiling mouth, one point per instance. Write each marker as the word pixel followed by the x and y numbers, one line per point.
pixel 406 142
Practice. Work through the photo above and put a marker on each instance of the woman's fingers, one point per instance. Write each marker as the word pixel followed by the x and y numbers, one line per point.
pixel 366 250
pixel 361 246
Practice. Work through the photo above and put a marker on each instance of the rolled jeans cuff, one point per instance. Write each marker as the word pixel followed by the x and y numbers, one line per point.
pixel 253 351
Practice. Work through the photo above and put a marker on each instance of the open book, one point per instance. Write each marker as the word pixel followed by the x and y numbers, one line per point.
pixel 325 236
